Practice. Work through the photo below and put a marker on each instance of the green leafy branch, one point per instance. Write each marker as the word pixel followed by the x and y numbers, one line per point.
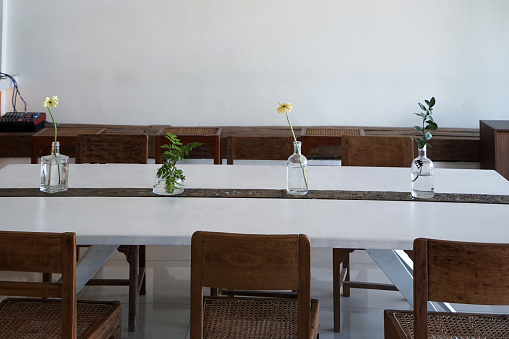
pixel 174 152
pixel 427 123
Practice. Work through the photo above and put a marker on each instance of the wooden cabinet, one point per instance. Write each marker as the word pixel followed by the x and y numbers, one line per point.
pixel 495 145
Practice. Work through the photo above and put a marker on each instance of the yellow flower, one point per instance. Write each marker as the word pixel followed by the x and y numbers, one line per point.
pixel 50 102
pixel 284 108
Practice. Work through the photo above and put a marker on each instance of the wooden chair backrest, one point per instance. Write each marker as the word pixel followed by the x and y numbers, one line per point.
pixel 376 151
pixel 458 272
pixel 250 262
pixel 112 148
pixel 258 148
pixel 44 253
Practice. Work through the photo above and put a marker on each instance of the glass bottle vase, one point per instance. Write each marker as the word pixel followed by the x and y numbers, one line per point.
pixel 297 172
pixel 422 176
pixel 54 170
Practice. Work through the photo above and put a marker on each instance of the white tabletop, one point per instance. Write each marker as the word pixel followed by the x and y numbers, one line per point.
pixel 328 223
pixel 348 178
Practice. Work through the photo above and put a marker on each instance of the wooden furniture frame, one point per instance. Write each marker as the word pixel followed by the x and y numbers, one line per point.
pixel 377 151
pixel 455 272
pixel 210 137
pixel 120 148
pixel 22 317
pixel 41 141
pixel 252 262
pixel 256 148
pixel 495 145
pixel 312 137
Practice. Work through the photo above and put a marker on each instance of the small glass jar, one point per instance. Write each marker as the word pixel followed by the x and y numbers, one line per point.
pixel 54 170
pixel 422 176
pixel 159 186
pixel 297 172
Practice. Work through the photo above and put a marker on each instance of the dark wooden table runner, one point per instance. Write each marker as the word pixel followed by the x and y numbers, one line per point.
pixel 258 193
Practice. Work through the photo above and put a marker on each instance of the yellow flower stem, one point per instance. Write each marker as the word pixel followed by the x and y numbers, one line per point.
pixel 298 150
pixel 55 145
pixel 54 125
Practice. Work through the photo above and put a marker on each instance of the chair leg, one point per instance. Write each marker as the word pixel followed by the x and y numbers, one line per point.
pixel 134 267
pixel 143 270
pixel 46 277
pixel 340 257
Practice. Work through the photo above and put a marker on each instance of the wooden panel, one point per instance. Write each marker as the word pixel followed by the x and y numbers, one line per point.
pixel 250 262
pixel 112 148
pixel 502 153
pixel 470 273
pixel 494 146
pixel 24 252
pixel 257 148
pixel 381 151
pixel 15 144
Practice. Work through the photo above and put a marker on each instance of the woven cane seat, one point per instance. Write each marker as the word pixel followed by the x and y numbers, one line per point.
pixel 64 132
pixel 36 318
pixel 250 318
pixel 452 325
pixel 191 130
pixel 333 132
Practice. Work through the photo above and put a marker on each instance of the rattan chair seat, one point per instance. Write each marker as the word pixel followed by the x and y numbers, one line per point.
pixel 335 132
pixel 191 130
pixel 36 318
pixel 69 131
pixel 250 318
pixel 450 325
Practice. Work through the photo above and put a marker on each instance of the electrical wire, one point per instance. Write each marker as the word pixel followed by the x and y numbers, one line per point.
pixel 15 93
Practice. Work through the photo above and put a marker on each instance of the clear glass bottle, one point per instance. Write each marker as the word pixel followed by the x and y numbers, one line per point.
pixel 297 172
pixel 422 176
pixel 54 170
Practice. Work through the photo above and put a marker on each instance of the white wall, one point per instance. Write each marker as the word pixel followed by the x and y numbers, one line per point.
pixel 229 62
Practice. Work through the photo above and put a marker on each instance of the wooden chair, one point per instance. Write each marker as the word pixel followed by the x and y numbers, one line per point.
pixel 210 137
pixel 258 148
pixel 112 148
pixel 41 141
pixel 455 272
pixel 58 314
pixel 313 137
pixel 252 262
pixel 119 148
pixel 377 151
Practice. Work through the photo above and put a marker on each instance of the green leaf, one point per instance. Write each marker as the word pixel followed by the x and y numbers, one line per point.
pixel 432 102
pixel 432 126
pixel 427 136
pixel 418 128
pixel 422 106
pixel 421 143
pixel 422 115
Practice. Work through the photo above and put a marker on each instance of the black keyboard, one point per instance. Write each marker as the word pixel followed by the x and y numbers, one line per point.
pixel 22 122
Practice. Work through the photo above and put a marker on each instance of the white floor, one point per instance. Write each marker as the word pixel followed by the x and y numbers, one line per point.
pixel 164 311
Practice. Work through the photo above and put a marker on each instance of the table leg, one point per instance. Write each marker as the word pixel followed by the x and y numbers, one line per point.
pixel 398 267
pixel 91 262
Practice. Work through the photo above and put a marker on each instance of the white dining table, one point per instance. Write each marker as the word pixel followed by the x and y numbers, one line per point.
pixel 379 226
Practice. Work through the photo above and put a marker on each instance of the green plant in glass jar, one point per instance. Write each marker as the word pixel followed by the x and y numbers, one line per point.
pixel 169 179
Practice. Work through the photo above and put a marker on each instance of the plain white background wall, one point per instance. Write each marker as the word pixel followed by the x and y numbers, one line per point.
pixel 229 62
